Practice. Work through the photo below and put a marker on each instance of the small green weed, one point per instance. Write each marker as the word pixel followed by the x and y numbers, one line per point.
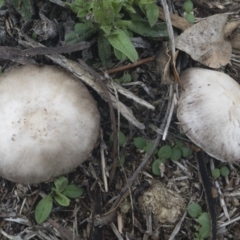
pixel 114 22
pixel 216 172
pixel 204 227
pixel 188 7
pixel 165 152
pixel 121 139
pixel 61 192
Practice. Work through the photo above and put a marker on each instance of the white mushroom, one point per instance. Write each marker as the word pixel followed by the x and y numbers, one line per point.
pixel 209 112
pixel 49 123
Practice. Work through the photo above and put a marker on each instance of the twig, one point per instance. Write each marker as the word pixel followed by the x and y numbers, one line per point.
pixel 141 84
pixel 59 3
pixel 177 227
pixel 117 234
pixel 169 27
pixel 103 161
pixel 173 104
pixel 230 222
pixel 130 95
pixel 131 65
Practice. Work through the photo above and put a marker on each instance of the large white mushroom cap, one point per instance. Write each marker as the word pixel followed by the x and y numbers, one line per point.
pixel 49 123
pixel 209 112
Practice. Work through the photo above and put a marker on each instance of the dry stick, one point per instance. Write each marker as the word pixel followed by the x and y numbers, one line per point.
pixel 103 161
pixel 131 65
pixel 172 104
pixel 129 95
pixel 172 46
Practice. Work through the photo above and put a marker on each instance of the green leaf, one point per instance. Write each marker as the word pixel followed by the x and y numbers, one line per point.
pixel 1 3
pixel 139 142
pixel 149 147
pixel 61 199
pixel 117 5
pixel 204 219
pixel 103 12
pixel 60 184
pixel 107 30
pixel 205 231
pixel 121 138
pixel 194 210
pixel 216 173
pixel 176 154
pixel 186 151
pixel 104 49
pixel 165 152
pixel 119 55
pixel 190 17
pixel 152 13
pixel 121 161
pixel 72 191
pixel 178 143
pixel 188 6
pixel 43 209
pixel 119 40
pixel 81 32
pixel 142 27
pixel 155 167
pixel 23 8
pixel 123 24
pixel 81 7
pixel 126 78
pixel 224 171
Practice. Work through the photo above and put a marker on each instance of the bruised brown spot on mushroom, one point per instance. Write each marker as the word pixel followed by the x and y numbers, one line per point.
pixel 49 123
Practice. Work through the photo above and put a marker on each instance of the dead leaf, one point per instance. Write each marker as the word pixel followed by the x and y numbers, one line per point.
pixel 177 21
pixel 205 42
pixel 163 65
pixel 235 41
pixel 230 28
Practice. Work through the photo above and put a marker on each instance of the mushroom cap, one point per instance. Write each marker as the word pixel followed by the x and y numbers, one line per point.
pixel 209 112
pixel 49 123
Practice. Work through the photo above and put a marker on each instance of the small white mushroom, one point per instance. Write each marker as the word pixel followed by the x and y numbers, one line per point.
pixel 49 123
pixel 209 112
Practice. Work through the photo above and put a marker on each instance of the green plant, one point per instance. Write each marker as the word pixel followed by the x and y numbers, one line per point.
pixel 121 139
pixel 23 7
pixel 139 142
pixel 224 171
pixel 61 192
pixel 216 172
pixel 156 167
pixel 204 228
pixel 115 21
pixel 188 7
pixel 126 78
pixel 165 152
